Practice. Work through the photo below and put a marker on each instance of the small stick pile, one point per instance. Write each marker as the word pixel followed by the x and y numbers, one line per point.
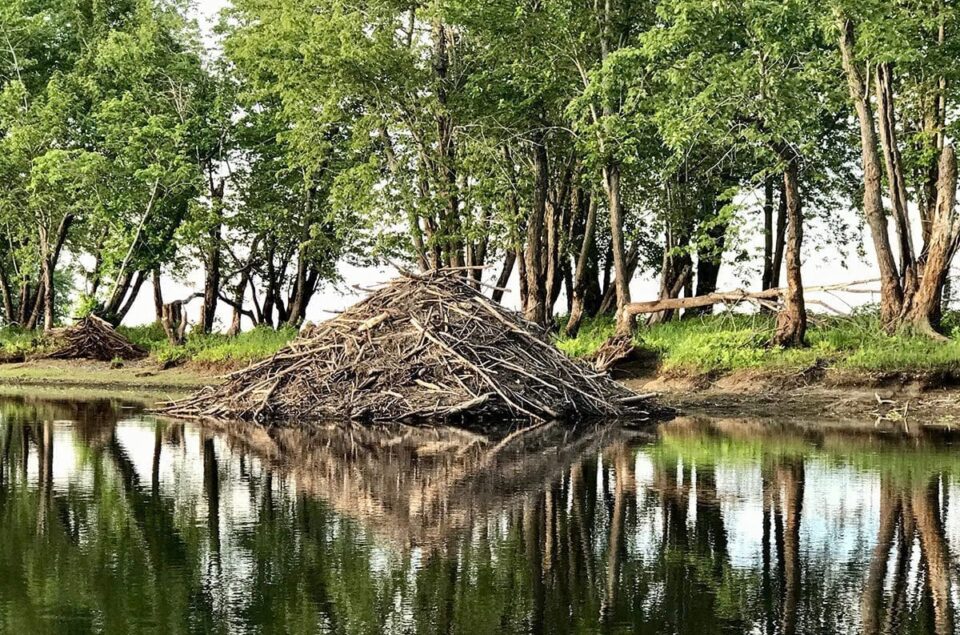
pixel 423 348
pixel 93 338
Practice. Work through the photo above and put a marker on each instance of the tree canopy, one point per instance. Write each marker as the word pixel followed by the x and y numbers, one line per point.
pixel 570 147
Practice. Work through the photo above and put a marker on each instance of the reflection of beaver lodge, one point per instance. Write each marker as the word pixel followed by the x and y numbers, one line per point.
pixel 425 347
pixel 420 485
pixel 93 338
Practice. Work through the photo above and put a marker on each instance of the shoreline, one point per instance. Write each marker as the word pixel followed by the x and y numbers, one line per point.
pixel 904 402
pixel 144 380
pixel 883 401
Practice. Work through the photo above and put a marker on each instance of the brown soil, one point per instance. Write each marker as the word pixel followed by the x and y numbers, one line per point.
pixel 132 375
pixel 881 401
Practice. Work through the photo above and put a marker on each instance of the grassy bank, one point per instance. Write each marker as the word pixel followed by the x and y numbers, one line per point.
pixel 713 344
pixel 213 351
pixel 169 371
pixel 729 342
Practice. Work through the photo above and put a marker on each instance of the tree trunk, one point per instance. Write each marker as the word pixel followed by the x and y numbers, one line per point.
pixel 621 269
pixel 780 240
pixel 413 217
pixel 893 164
pixel 120 290
pixel 514 251
pixel 792 319
pixel 235 321
pixel 928 188
pixel 8 311
pixel 211 286
pixel 174 323
pixel 767 276
pixel 675 270
pixel 673 281
pixel 891 292
pixel 25 297
pixel 240 292
pixel 132 297
pixel 297 304
pixel 606 279
pixel 710 259
pixel 944 238
pixel 609 299
pixel 157 295
pixel 587 247
pixel 270 287
pixel 557 221
pixel 452 239
pixel 36 304
pixel 509 260
pixel 934 122
pixel 536 308
pixel 48 293
pixel 522 275
pixel 50 256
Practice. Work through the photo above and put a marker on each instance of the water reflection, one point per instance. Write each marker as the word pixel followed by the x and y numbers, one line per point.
pixel 115 522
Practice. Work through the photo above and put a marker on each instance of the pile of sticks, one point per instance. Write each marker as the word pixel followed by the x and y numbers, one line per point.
pixel 93 338
pixel 422 348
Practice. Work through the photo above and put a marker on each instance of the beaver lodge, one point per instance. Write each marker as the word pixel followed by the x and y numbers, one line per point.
pixel 422 348
pixel 93 338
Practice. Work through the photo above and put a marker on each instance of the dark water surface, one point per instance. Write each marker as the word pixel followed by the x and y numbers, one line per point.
pixel 112 521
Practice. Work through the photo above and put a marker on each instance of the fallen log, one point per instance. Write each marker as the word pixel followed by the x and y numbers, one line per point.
pixel 735 297
pixel 619 349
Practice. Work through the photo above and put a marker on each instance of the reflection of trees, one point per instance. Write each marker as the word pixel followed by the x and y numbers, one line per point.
pixel 418 530
pixel 790 478
pixel 910 525
pixel 109 548
pixel 907 584
pixel 890 517
pixel 926 510
pixel 170 557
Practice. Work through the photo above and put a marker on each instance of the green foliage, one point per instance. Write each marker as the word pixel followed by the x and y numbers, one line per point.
pixel 17 341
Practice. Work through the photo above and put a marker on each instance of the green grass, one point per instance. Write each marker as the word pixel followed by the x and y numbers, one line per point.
pixel 16 341
pixel 729 342
pixel 214 349
pixel 718 343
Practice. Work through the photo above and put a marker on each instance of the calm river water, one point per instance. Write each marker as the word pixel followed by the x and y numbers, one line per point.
pixel 113 521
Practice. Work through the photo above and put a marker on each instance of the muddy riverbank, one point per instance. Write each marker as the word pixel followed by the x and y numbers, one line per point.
pixel 902 402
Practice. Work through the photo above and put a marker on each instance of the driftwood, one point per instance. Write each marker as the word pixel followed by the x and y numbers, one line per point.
pixel 613 352
pixel 735 297
pixel 93 338
pixel 423 348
